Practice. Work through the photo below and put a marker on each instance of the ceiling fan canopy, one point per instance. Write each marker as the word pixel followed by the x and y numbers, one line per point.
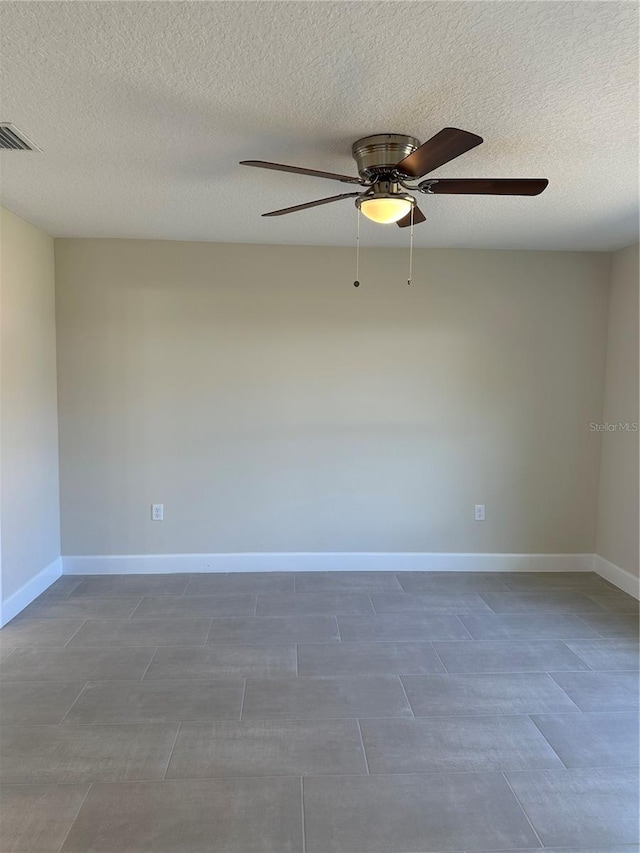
pixel 381 154
pixel 389 163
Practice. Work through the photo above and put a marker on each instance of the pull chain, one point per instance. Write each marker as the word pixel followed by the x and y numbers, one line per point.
pixel 411 248
pixel 357 282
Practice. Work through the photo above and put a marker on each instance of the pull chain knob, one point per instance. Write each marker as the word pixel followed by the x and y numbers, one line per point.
pixel 356 283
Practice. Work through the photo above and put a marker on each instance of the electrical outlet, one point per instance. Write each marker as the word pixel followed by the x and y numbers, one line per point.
pixel 157 512
pixel 478 512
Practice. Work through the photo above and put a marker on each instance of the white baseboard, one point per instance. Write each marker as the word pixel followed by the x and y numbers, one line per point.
pixel 309 562
pixel 615 574
pixel 123 564
pixel 30 591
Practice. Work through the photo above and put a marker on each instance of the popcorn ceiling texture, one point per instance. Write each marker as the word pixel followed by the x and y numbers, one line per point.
pixel 144 109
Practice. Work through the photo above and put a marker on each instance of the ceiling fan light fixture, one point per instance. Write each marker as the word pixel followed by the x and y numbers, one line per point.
pixel 385 208
pixel 386 160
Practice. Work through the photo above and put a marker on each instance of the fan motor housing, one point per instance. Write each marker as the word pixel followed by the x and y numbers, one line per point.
pixel 381 153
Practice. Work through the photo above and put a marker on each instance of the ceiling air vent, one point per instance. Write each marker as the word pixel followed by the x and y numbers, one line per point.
pixel 11 139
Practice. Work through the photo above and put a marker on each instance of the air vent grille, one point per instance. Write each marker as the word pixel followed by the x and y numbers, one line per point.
pixel 11 139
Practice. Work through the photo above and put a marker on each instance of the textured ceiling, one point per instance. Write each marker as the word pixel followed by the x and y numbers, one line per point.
pixel 143 109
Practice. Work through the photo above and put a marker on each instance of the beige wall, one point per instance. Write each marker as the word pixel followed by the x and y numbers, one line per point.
pixel 273 407
pixel 30 527
pixel 617 526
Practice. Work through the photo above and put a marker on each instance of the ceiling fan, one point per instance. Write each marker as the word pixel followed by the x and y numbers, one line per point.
pixel 388 163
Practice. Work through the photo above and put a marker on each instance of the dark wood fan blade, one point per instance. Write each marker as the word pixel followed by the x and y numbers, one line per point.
pixel 297 207
pixel 298 170
pixel 490 186
pixel 441 148
pixel 418 216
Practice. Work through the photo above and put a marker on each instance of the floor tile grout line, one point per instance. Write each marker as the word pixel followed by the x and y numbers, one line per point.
pixel 209 629
pixel 464 627
pixel 502 583
pixel 119 646
pixel 535 832
pixel 340 640
pixel 564 640
pixel 364 751
pixel 351 774
pixel 29 618
pixel 550 676
pixel 138 619
pixel 406 696
pixel 578 616
pixel 435 651
pixel 244 693
pixel 553 749
pixel 9 655
pixel 62 719
pixel 424 718
pixel 331 642
pixel 131 615
pixel 451 611
pixel 64 645
pixel 73 704
pixel 385 674
pixel 75 817
pixel 417 611
pixel 399 581
pixel 566 643
pixel 360 776
pixel 171 751
pixel 214 676
pixel 402 642
pixel 146 669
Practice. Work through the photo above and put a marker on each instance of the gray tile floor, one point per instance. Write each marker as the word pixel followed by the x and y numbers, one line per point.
pixel 321 713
